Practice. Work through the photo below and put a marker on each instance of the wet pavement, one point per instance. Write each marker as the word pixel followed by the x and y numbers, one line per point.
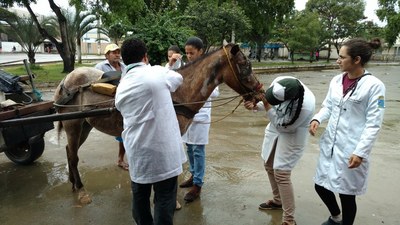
pixel 235 182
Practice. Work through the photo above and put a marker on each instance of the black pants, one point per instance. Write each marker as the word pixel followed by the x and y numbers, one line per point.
pixel 164 202
pixel 348 202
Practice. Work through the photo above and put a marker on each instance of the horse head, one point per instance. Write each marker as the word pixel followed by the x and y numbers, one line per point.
pixel 239 75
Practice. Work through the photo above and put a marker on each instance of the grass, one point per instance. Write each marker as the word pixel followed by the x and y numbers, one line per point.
pixel 51 73
pixel 44 73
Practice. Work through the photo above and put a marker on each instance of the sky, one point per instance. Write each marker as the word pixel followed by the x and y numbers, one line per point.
pixel 370 8
pixel 43 7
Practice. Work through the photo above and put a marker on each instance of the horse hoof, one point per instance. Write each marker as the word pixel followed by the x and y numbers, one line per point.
pixel 84 198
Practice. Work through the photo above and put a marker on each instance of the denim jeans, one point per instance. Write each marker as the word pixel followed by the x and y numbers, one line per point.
pixel 164 202
pixel 197 160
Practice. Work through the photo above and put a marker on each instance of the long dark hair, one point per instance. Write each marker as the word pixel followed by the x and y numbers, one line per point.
pixel 364 49
pixel 300 98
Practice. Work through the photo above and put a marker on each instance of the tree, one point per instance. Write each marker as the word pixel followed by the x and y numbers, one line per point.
pixel 389 10
pixel 214 23
pixel 24 31
pixel 263 16
pixel 116 31
pixel 300 32
pixel 339 18
pixel 159 31
pixel 78 24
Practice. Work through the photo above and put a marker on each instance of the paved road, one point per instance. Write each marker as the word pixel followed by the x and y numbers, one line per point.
pixel 13 58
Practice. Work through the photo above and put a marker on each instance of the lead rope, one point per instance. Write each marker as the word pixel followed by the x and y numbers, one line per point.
pixel 218 120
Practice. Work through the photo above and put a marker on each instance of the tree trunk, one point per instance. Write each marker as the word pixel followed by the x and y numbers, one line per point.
pixel 31 56
pixel 79 49
pixel 329 51
pixel 260 46
pixel 64 48
pixel 68 61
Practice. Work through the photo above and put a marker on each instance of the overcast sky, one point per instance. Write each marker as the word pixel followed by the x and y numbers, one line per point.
pixel 43 7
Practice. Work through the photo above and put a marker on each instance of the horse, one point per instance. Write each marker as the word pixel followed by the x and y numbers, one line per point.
pixel 226 65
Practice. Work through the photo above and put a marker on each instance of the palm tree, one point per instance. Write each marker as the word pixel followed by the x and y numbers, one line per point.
pixel 24 31
pixel 78 24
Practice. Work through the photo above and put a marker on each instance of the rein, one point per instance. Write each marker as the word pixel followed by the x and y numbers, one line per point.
pixel 230 99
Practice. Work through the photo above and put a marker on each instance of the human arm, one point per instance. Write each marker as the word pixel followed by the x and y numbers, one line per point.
pixel 373 119
pixel 174 80
pixel 325 111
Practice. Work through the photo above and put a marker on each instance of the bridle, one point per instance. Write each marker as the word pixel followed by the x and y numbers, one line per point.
pixel 244 88
pixel 182 109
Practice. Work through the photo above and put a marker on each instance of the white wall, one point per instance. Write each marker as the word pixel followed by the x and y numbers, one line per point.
pixel 7 46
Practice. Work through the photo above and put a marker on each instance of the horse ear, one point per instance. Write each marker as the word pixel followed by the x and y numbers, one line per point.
pixel 224 43
pixel 235 49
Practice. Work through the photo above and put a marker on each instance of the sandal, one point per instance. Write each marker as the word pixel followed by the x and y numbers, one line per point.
pixel 269 205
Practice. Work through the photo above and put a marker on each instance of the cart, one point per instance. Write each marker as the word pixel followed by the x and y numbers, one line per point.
pixel 24 124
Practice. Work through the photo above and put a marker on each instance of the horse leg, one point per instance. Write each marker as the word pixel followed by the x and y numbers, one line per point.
pixel 77 132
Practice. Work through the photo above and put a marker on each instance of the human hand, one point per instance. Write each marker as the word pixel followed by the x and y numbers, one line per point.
pixel 313 127
pixel 250 105
pixel 355 161
pixel 175 57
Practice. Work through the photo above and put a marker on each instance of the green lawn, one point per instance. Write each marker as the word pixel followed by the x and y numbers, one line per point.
pixel 44 73
pixel 51 73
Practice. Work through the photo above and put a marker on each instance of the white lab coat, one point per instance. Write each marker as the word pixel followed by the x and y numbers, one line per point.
pixel 197 132
pixel 353 126
pixel 151 133
pixel 292 139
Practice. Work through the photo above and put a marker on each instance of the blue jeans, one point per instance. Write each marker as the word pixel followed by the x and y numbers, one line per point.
pixel 197 160
pixel 164 202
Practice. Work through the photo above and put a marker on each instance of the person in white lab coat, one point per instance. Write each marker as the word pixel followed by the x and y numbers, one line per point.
pixel 289 105
pixel 196 136
pixel 151 134
pixel 354 108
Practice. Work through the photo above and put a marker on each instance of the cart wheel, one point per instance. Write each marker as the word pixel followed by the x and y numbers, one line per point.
pixel 27 152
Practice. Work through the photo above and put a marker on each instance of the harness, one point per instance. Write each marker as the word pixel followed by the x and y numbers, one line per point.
pixel 68 95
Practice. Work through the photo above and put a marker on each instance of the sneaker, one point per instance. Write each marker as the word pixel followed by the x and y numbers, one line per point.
pixel 330 221
pixel 269 205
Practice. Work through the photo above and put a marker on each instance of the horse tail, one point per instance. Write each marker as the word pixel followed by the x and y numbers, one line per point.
pixel 59 129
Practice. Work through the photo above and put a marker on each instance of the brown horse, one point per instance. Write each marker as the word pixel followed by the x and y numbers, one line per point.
pixel 226 65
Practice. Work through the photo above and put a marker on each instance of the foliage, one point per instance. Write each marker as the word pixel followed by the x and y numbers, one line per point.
pixel 300 32
pixel 116 31
pixel 214 23
pixel 369 30
pixel 78 24
pixel 109 12
pixel 339 18
pixel 159 32
pixel 22 30
pixel 263 16
pixel 389 10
